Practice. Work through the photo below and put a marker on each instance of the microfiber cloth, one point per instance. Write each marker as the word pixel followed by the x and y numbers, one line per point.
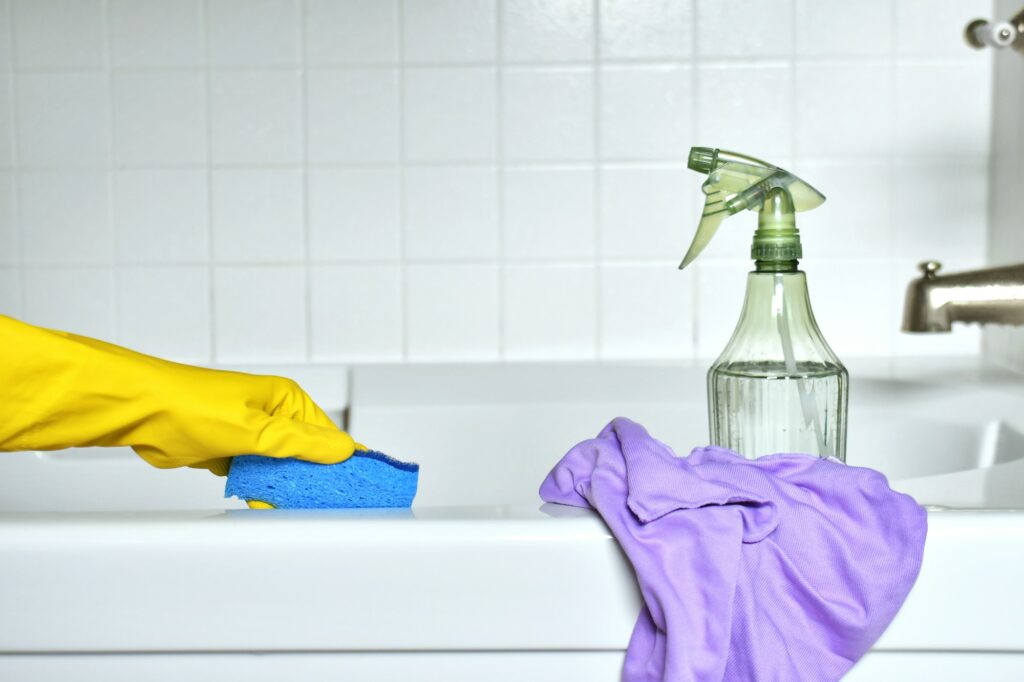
pixel 366 479
pixel 785 567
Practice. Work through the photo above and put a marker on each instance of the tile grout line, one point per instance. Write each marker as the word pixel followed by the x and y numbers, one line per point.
pixel 499 112
pixel 678 163
pixel 211 279
pixel 598 179
pixel 890 160
pixel 695 323
pixel 114 278
pixel 723 62
pixel 19 230
pixel 303 10
pixel 403 266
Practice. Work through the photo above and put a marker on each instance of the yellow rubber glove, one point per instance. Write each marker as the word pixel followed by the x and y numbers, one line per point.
pixel 59 390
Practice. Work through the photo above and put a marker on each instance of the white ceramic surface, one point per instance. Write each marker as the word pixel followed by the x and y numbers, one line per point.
pixel 478 568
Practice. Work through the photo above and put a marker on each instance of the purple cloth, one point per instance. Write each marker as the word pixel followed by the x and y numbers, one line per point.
pixel 785 567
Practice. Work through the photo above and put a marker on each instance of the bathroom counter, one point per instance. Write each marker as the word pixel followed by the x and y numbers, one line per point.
pixel 471 578
pixel 112 569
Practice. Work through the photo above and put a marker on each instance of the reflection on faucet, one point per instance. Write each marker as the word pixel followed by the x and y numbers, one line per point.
pixel 986 296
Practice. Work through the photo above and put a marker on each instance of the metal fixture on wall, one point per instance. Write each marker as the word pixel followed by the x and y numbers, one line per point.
pixel 987 296
pixel 982 33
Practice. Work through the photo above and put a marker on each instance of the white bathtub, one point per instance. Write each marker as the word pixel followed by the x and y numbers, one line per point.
pixel 110 570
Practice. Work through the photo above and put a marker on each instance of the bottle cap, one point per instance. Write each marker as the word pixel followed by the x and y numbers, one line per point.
pixel 736 182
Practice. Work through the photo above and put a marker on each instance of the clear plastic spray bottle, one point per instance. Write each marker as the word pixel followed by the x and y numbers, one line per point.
pixel 777 386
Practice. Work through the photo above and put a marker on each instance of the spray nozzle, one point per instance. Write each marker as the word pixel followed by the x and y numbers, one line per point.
pixel 737 182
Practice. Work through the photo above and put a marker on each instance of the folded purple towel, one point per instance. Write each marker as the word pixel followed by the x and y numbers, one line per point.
pixel 785 567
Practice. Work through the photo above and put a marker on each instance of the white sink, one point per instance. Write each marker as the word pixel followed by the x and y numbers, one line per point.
pixel 468 582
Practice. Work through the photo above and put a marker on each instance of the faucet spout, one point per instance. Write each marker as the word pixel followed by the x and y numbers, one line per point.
pixel 987 296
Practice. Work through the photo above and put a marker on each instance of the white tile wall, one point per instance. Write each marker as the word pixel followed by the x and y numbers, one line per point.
pixel 550 311
pixel 165 311
pixel 58 34
pixel 63 120
pixel 356 312
pixel 259 314
pixel 8 228
pixel 354 214
pixel 341 32
pixel 565 128
pixel 542 31
pixel 73 297
pixel 161 215
pixel 256 117
pixel 248 33
pixel 159 118
pixel 450 114
pixel 155 33
pixel 1006 239
pixel 646 112
pixel 350 180
pixel 352 116
pixel 449 31
pixel 6 122
pixel 451 212
pixel 549 214
pixel 452 312
pixel 257 216
pixel 6 58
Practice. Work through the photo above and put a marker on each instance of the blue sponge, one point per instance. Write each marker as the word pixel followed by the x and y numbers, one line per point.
pixel 366 479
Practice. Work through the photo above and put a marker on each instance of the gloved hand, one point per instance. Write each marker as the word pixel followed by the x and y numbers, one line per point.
pixel 59 390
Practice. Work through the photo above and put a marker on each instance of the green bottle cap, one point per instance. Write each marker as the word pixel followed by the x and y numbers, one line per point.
pixel 736 182
pixel 776 238
pixel 702 159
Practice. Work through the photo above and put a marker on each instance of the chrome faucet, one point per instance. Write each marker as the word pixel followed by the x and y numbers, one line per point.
pixel 987 296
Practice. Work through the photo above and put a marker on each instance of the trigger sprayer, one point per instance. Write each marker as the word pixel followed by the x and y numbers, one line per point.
pixel 777 386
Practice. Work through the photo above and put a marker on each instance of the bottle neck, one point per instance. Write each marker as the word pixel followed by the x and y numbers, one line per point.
pixel 777 324
pixel 776 266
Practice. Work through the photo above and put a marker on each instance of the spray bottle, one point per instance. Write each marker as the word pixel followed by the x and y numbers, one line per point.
pixel 777 386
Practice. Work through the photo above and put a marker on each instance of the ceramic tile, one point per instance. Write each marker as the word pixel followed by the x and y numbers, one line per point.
pixel 356 313
pixel 647 212
pixel 259 314
pixel 844 110
pixel 255 117
pixel 10 292
pixel 452 312
pixel 258 216
pixel 436 31
pixel 451 212
pixel 353 214
pixel 834 28
pixel 646 311
pixel 159 118
pixel 72 231
pixel 73 299
pixel 645 112
pixel 342 32
pixel 550 312
pixel 59 34
pixel 160 216
pixel 253 33
pixel 646 30
pixel 353 116
pixel 450 114
pixel 165 311
pixel 565 129
pixel 156 33
pixel 536 30
pixel 549 214
pixel 63 120
pixel 749 30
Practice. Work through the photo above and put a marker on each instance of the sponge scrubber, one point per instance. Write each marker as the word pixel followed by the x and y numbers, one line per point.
pixel 366 479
